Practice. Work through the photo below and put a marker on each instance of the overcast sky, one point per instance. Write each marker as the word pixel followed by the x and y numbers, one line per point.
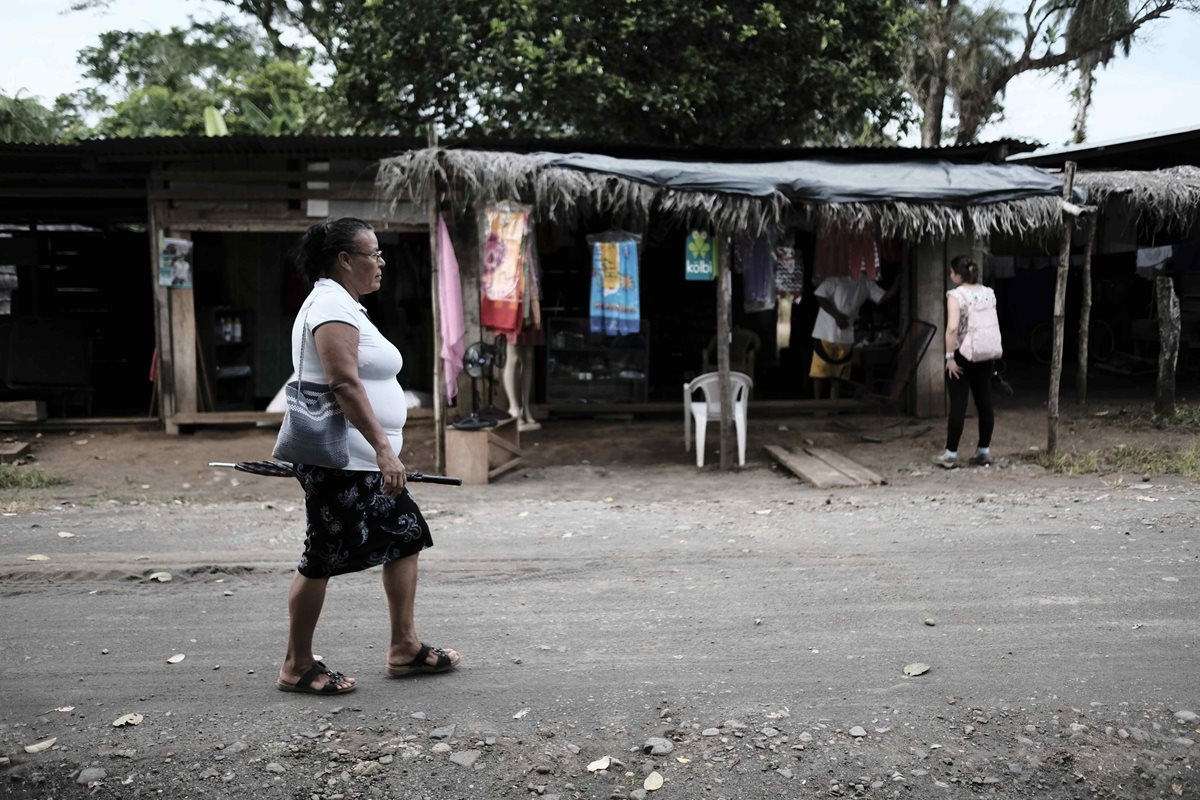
pixel 1157 88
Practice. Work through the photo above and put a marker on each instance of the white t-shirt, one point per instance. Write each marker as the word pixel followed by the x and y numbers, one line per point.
pixel 970 297
pixel 848 296
pixel 379 363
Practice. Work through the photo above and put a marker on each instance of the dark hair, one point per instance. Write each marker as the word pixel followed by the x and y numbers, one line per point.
pixel 319 246
pixel 965 268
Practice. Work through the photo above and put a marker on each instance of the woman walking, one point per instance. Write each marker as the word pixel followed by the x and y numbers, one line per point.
pixel 972 345
pixel 360 515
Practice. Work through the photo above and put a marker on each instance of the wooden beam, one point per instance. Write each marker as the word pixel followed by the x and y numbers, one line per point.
pixel 183 346
pixel 1060 307
pixel 439 369
pixel 929 285
pixel 1167 304
pixel 261 176
pixel 724 380
pixel 165 385
pixel 1085 314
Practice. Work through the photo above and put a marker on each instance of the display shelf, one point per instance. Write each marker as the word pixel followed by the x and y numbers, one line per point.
pixel 585 367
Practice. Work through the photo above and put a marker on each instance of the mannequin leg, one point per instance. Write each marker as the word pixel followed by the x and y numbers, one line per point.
pixel 512 382
pixel 529 423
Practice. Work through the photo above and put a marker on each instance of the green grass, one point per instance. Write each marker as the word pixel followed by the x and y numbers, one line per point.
pixel 1184 416
pixel 1136 460
pixel 22 477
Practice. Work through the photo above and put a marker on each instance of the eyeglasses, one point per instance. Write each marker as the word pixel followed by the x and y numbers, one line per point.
pixel 377 255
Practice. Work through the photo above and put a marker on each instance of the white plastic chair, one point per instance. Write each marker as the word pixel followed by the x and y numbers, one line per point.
pixel 710 409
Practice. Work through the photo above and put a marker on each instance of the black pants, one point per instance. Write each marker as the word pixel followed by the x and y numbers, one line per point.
pixel 976 378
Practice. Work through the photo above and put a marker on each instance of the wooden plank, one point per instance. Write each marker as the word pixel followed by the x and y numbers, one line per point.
pixel 216 418
pixel 439 367
pixel 183 345
pixel 11 451
pixel 846 465
pixel 23 411
pixel 811 469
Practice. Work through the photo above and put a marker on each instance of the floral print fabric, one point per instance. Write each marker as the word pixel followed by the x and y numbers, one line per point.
pixel 352 525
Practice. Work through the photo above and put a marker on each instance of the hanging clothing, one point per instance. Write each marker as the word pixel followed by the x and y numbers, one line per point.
pixel 531 303
pixel 502 282
pixel 758 273
pixel 450 303
pixel 846 254
pixel 616 293
pixel 789 271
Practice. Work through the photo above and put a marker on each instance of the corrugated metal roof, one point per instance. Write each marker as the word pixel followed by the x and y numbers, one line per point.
pixel 151 147
pixel 1148 151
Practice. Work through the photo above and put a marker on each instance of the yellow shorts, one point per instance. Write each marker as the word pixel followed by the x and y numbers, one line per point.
pixel 830 360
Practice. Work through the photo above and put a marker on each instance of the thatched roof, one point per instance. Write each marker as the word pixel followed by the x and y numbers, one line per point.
pixel 1162 198
pixel 566 195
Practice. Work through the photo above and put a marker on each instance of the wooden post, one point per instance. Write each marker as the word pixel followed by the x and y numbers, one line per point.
pixel 929 304
pixel 165 385
pixel 1085 313
pixel 1168 344
pixel 1060 306
pixel 439 368
pixel 724 383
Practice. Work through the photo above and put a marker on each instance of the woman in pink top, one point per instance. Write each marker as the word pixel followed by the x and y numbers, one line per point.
pixel 962 375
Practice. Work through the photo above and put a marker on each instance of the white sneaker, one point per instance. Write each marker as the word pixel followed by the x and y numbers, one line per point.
pixel 945 461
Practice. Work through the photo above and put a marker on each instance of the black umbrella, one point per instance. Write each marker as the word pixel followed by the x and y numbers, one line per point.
pixel 282 469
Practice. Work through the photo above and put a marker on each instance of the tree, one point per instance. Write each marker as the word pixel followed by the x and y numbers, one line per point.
pixel 24 119
pixel 161 83
pixel 1089 22
pixel 650 71
pixel 969 55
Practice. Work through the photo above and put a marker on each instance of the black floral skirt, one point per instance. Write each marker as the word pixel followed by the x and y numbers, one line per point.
pixel 352 525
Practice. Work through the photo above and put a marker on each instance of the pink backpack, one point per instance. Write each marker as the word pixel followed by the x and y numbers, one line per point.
pixel 981 342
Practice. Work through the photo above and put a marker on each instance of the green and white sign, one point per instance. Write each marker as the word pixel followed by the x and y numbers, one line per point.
pixel 700 260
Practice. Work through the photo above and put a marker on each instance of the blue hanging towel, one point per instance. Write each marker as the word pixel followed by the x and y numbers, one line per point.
pixel 616 300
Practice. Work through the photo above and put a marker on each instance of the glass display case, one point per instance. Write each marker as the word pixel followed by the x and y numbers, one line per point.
pixel 584 367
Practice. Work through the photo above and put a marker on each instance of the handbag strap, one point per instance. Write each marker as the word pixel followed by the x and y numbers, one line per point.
pixel 303 336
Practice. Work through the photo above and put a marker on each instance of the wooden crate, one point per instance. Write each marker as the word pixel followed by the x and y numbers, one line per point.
pixel 479 457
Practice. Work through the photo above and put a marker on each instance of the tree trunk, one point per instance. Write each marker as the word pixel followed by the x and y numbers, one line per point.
pixel 935 99
pixel 1087 80
pixel 1060 307
pixel 931 113
pixel 1085 313
pixel 1168 344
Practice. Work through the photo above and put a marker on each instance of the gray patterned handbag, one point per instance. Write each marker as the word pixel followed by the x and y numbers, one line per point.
pixel 314 427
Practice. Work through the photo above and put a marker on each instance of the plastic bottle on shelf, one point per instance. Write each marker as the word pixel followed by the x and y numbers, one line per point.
pixel 237 329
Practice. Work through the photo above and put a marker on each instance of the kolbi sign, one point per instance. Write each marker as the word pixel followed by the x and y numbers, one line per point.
pixel 700 258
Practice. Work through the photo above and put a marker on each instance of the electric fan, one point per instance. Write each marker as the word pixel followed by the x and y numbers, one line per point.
pixel 478 361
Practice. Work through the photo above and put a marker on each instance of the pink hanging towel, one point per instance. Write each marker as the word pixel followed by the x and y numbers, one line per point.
pixel 450 302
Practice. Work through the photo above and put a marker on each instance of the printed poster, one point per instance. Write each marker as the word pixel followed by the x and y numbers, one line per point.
pixel 175 263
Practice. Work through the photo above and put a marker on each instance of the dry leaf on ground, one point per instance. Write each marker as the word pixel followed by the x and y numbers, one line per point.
pixel 175 659
pixel 653 782
pixel 916 668
pixel 599 764
pixel 38 747
pixel 127 719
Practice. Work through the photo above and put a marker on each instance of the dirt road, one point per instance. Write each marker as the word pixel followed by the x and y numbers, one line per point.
pixel 741 635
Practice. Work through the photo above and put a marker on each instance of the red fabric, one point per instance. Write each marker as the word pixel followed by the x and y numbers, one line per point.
pixel 841 254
